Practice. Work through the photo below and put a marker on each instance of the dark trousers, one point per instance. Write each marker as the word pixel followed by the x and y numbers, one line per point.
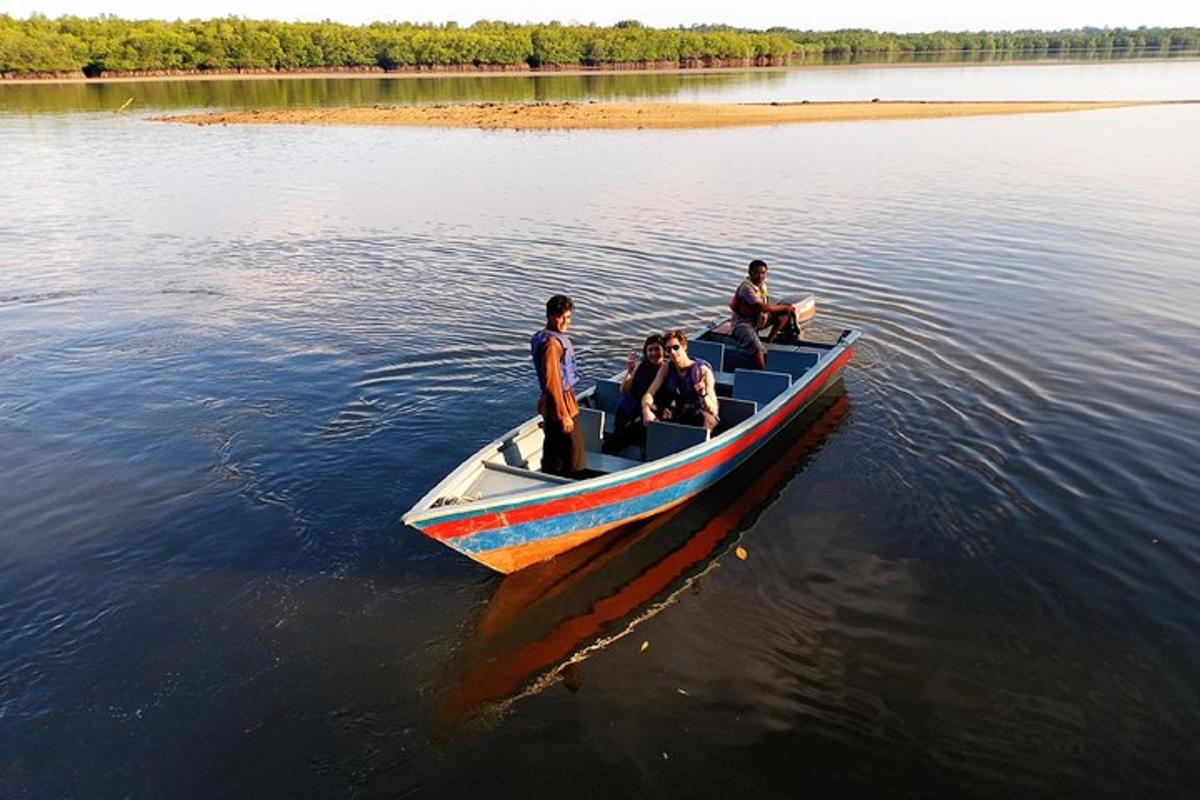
pixel 563 453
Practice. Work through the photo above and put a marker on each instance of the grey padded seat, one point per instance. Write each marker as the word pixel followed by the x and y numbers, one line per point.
pixel 733 411
pixel 608 396
pixel 591 422
pixel 793 362
pixel 665 438
pixel 760 386
pixel 714 354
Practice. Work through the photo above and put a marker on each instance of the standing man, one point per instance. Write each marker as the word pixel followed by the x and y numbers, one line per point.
pixel 554 360
pixel 753 311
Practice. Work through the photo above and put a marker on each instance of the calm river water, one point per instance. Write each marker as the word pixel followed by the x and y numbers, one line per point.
pixel 232 357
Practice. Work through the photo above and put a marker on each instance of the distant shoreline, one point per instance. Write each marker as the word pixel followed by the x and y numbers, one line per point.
pixel 458 71
pixel 636 116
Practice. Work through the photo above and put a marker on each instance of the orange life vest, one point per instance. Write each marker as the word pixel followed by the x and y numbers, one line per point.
pixel 739 306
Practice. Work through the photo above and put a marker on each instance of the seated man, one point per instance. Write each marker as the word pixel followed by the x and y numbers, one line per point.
pixel 753 311
pixel 684 391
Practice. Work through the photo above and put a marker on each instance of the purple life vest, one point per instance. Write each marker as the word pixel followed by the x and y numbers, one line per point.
pixel 682 388
pixel 570 374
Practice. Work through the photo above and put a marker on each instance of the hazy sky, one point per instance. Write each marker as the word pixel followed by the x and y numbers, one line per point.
pixel 914 15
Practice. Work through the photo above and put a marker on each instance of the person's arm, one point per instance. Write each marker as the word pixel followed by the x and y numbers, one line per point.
pixel 768 308
pixel 779 308
pixel 708 397
pixel 708 390
pixel 551 359
pixel 648 397
pixel 630 369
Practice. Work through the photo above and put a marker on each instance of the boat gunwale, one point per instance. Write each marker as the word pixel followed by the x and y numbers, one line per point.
pixel 420 517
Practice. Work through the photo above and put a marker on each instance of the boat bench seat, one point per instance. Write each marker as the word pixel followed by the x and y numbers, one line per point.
pixel 759 385
pixel 714 354
pixel 591 422
pixel 733 411
pixel 603 462
pixel 665 438
pixel 793 362
pixel 497 479
pixel 606 398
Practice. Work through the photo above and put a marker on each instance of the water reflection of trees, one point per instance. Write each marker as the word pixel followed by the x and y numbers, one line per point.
pixel 323 92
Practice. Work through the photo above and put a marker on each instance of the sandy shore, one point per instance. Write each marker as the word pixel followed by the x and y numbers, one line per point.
pixel 572 116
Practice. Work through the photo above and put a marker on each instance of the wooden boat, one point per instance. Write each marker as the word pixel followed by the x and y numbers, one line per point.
pixel 499 510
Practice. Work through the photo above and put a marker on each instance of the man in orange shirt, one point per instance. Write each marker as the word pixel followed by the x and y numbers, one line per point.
pixel 554 359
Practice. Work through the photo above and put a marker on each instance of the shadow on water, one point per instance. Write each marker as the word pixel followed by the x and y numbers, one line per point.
pixel 541 622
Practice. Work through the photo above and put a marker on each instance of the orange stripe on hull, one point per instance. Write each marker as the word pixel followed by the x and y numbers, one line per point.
pixel 519 556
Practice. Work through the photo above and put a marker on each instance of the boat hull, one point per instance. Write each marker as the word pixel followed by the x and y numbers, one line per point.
pixel 509 536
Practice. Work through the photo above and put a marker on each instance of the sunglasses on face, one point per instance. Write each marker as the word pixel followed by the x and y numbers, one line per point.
pixel 673 347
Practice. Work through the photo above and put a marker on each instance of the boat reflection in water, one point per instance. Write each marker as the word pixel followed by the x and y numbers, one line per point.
pixel 543 620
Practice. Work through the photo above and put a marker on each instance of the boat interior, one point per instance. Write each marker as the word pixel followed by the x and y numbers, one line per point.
pixel 512 464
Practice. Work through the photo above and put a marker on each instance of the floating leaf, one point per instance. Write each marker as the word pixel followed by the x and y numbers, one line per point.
pixel 741 553
pixel 682 692
pixel 665 756
pixel 645 646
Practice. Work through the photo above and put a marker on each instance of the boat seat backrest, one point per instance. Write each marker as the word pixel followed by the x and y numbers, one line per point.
pixel 793 362
pixel 665 438
pixel 608 396
pixel 591 423
pixel 760 386
pixel 733 411
pixel 524 450
pixel 712 352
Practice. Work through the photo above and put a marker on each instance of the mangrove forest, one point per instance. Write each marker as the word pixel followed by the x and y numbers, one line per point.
pixel 110 46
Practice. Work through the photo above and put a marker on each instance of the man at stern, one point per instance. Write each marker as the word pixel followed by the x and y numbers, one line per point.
pixel 753 311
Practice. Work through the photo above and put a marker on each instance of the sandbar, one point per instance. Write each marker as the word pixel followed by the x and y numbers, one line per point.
pixel 579 116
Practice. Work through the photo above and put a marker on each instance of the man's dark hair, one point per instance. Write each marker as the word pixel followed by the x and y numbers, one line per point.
pixel 558 305
pixel 676 334
pixel 758 262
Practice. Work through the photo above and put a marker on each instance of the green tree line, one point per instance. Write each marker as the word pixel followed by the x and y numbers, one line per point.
pixel 110 44
pixel 857 42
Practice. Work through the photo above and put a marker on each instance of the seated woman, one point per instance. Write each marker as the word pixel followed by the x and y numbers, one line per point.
pixel 687 385
pixel 628 428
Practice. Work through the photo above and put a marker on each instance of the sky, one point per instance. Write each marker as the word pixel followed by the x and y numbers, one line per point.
pixel 882 15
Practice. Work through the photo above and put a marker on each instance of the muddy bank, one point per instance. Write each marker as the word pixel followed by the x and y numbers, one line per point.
pixel 567 116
